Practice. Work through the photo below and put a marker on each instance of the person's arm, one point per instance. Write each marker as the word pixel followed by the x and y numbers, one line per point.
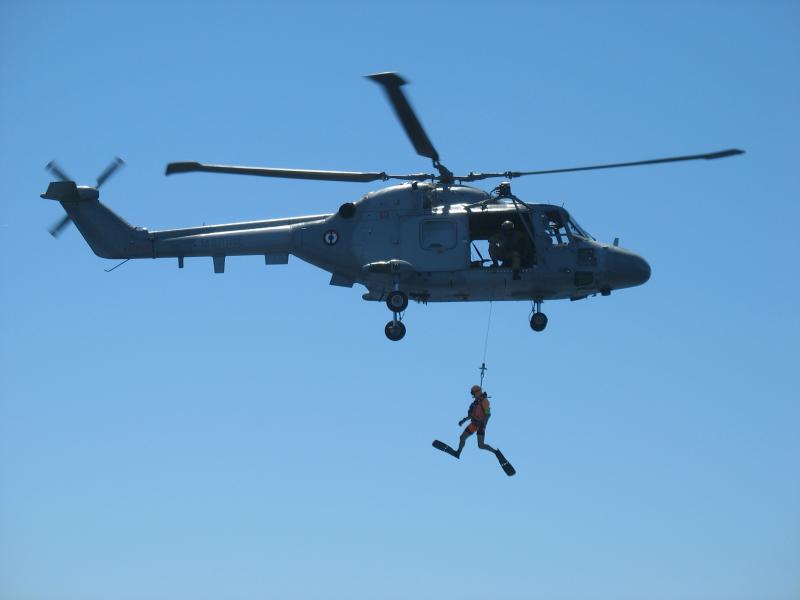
pixel 467 418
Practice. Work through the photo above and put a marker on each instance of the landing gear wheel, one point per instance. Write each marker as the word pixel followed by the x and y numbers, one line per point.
pixel 538 321
pixel 397 301
pixel 395 331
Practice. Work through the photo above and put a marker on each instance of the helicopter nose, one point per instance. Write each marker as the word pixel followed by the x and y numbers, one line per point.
pixel 626 269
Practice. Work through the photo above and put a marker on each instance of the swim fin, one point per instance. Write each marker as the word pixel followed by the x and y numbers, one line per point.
pixel 505 464
pixel 444 448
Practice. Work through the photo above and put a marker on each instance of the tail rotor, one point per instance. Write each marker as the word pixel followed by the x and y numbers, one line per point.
pixel 61 176
pixel 56 171
pixel 56 229
pixel 109 171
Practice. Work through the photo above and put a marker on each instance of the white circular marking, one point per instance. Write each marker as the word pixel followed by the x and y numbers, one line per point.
pixel 330 237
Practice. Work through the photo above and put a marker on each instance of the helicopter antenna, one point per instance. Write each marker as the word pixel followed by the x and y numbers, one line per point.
pixel 117 266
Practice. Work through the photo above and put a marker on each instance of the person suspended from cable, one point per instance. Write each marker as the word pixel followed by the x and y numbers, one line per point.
pixel 478 415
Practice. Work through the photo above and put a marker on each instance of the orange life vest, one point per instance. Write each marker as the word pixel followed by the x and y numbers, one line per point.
pixel 477 410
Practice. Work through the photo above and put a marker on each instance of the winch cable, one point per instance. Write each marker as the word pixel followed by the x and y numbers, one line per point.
pixel 486 344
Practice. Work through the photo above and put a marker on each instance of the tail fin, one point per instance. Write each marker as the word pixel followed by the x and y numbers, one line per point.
pixel 108 234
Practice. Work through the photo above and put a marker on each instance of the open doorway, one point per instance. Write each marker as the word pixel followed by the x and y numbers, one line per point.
pixel 485 224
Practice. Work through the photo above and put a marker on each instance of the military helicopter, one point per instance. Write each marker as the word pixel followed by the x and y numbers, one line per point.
pixel 418 240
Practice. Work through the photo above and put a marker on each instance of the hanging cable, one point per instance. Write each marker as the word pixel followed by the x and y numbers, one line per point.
pixel 486 344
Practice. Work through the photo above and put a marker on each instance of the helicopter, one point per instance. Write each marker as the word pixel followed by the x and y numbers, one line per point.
pixel 417 240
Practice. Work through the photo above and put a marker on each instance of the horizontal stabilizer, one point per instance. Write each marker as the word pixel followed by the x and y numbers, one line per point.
pixel 63 191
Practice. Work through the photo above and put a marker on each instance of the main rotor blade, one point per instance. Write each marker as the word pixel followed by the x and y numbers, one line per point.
pixel 56 229
pixel 391 83
pixel 109 170
pixel 510 174
pixel 57 172
pixel 354 176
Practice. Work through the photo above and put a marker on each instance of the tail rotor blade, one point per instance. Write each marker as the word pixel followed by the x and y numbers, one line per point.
pixel 110 170
pixel 56 229
pixel 57 172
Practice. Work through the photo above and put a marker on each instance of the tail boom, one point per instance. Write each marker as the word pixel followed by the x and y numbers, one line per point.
pixel 110 236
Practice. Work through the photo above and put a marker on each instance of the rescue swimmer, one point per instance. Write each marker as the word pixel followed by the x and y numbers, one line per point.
pixel 478 414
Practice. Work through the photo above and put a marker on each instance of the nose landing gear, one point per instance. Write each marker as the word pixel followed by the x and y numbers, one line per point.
pixel 538 318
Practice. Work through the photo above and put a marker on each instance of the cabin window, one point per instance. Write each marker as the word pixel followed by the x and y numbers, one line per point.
pixel 439 234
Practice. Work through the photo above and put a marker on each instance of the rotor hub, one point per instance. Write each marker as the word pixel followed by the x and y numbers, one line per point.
pixel 504 189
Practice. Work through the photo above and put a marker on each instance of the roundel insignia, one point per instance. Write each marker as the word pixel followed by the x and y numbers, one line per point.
pixel 330 237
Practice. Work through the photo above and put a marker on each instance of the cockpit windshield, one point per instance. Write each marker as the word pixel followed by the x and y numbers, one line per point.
pixel 578 230
pixel 562 228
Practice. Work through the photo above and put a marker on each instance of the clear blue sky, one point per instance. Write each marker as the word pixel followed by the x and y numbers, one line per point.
pixel 171 434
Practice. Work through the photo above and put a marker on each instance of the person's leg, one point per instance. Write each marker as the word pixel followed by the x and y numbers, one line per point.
pixel 482 445
pixel 493 254
pixel 463 440
pixel 515 264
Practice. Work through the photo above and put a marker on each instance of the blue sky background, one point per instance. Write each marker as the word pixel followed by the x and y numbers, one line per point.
pixel 185 435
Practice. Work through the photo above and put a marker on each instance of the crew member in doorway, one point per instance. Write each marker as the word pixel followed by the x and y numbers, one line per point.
pixel 507 245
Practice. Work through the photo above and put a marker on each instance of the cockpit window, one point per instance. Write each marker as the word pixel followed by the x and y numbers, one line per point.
pixel 556 227
pixel 562 228
pixel 578 230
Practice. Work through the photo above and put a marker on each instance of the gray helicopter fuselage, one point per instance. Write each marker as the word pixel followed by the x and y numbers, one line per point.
pixel 424 240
